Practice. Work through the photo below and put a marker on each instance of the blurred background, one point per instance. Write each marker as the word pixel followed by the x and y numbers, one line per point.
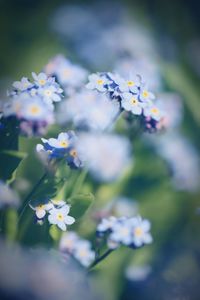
pixel 159 39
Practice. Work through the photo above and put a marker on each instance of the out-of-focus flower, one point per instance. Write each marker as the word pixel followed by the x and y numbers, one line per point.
pixel 7 196
pixel 62 147
pixel 137 273
pixel 54 279
pixel 60 217
pixel 50 93
pixel 182 159
pixel 83 253
pixel 107 156
pixel 132 232
pixel 77 247
pixel 88 109
pixel 41 79
pixel 69 75
pixel 98 82
pixel 153 112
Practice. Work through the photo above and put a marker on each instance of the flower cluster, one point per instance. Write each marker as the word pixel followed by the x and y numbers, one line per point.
pixel 132 94
pixel 69 75
pixel 78 248
pixel 132 232
pixel 61 147
pixel 57 211
pixel 32 103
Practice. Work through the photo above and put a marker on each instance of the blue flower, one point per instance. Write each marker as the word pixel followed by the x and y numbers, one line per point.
pixel 131 103
pixel 23 85
pixel 98 82
pixel 42 79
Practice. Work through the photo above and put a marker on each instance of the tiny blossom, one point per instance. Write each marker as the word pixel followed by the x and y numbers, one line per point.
pixel 77 247
pixel 50 93
pixel 130 84
pixel 23 85
pixel 146 95
pixel 61 147
pixel 42 79
pixel 69 75
pixel 129 231
pixel 106 224
pixel 41 209
pixel 131 103
pixel 58 202
pixel 106 155
pixel 97 82
pixel 153 112
pixel 8 197
pixel 83 253
pixel 60 217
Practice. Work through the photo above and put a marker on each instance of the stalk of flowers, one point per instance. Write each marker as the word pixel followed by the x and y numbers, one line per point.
pixel 80 249
pixel 32 103
pixel 132 94
pixel 70 76
pixel 132 232
pixel 62 147
pixel 57 211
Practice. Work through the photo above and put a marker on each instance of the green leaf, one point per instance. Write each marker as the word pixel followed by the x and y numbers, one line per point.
pixel 55 232
pixel 80 204
pixel 9 161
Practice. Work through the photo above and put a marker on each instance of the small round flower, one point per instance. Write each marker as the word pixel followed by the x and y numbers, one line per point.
pixel 42 79
pixel 83 253
pixel 146 95
pixel 153 112
pixel 131 103
pixel 60 217
pixel 106 224
pixel 42 209
pixel 50 93
pixel 121 233
pixel 131 84
pixel 63 141
pixel 68 242
pixel 97 82
pixel 22 85
pixel 34 109
pixel 140 230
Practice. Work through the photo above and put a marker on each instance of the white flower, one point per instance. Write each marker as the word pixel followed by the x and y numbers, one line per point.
pixel 7 196
pixel 83 253
pixel 106 224
pixel 22 85
pixel 131 103
pixel 50 93
pixel 68 241
pixel 97 82
pixel 41 79
pixel 60 217
pixel 121 233
pixel 140 229
pixel 42 209
pixel 63 141
pixel 106 155
pixel 130 84
pixel 146 95
pixel 58 202
pixel 153 112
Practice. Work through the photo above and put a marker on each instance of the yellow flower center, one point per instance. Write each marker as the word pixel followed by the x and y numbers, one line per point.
pixel 145 94
pixel 124 231
pixel 34 110
pixel 138 231
pixel 100 81
pixel 60 217
pixel 42 82
pixel 83 253
pixel 48 93
pixel 155 110
pixel 64 144
pixel 134 101
pixel 73 153
pixel 40 207
pixel 130 83
pixel 66 73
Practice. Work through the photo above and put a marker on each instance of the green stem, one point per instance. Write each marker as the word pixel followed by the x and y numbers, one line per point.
pixel 99 259
pixel 79 182
pixel 28 197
